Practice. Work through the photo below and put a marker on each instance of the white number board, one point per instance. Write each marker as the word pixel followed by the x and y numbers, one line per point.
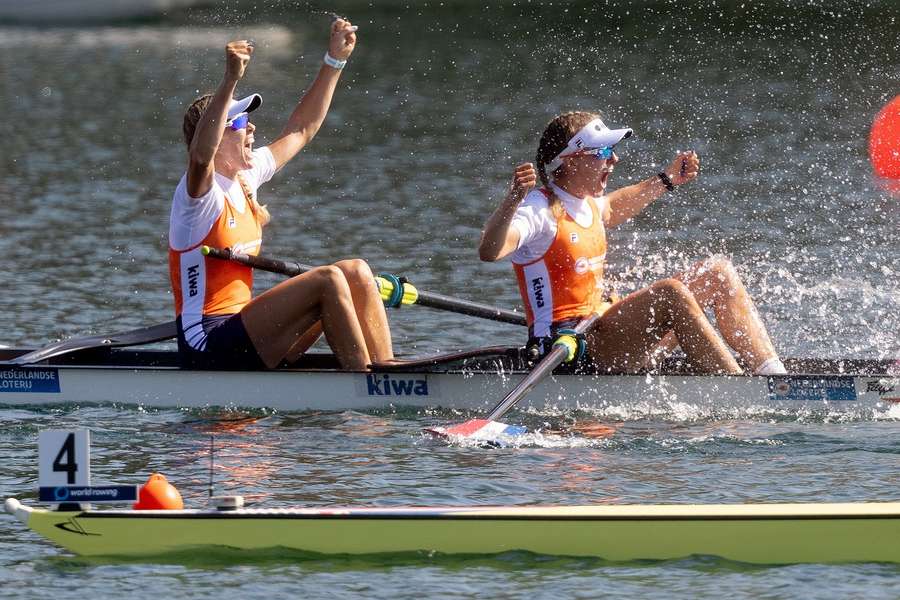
pixel 64 458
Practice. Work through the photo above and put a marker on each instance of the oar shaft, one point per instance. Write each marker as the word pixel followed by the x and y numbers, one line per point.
pixel 551 360
pixel 429 299
pixel 262 263
pixel 466 307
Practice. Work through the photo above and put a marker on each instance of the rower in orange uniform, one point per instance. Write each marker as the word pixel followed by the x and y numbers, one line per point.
pixel 220 324
pixel 556 238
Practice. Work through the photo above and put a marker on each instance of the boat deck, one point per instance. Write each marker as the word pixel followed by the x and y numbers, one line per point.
pixel 494 359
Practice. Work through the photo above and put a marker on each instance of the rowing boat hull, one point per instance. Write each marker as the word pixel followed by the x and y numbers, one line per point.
pixel 457 388
pixel 332 390
pixel 765 533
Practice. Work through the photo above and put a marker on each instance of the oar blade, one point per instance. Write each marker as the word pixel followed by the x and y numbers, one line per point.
pixel 488 429
pixel 478 429
pixel 137 337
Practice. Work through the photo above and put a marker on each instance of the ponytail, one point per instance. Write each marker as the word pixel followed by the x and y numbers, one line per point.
pixel 192 117
pixel 259 210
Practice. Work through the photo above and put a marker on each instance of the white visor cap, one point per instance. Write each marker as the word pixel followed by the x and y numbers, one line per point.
pixel 244 105
pixel 593 135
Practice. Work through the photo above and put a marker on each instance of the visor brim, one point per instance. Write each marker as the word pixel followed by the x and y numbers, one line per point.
pixel 247 105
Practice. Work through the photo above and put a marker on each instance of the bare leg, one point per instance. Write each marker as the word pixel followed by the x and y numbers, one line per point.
pixel 628 333
pixel 303 343
pixel 716 284
pixel 663 349
pixel 369 308
pixel 276 319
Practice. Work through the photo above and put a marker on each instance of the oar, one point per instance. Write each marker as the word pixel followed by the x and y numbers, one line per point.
pixel 136 337
pixel 565 349
pixel 394 290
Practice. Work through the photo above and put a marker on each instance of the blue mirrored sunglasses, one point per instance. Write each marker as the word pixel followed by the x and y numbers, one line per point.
pixel 602 153
pixel 238 122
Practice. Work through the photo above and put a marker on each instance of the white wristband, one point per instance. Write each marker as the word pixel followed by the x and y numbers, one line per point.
pixel 333 62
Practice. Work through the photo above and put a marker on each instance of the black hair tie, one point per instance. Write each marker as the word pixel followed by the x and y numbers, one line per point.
pixel 666 181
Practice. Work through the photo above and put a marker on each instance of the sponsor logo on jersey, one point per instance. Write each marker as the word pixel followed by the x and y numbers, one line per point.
pixel 537 287
pixel 584 264
pixel 193 272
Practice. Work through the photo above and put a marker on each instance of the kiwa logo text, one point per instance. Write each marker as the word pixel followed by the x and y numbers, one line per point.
pixel 385 385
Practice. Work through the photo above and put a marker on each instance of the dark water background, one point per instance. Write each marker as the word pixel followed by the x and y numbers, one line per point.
pixel 437 105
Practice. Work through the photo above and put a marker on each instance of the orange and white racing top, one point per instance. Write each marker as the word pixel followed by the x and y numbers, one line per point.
pixel 223 218
pixel 564 281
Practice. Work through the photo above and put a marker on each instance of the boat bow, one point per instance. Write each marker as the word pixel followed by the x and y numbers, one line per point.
pixel 18 510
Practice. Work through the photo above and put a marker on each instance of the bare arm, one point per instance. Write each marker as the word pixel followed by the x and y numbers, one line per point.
pixel 210 127
pixel 499 239
pixel 309 114
pixel 628 201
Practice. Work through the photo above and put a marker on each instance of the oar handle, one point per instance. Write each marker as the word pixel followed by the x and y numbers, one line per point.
pixel 545 366
pixel 429 299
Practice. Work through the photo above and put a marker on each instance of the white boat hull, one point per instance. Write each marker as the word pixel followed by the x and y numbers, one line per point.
pixel 301 390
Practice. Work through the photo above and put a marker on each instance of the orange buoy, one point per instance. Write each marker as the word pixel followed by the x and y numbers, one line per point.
pixel 158 494
pixel 884 141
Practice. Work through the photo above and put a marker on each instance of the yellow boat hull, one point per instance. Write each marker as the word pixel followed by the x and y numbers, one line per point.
pixel 763 533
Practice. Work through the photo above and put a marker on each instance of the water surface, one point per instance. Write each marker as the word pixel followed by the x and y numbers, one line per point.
pixel 436 107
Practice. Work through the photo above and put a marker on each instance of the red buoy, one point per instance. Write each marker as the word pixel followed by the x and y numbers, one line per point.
pixel 158 494
pixel 884 141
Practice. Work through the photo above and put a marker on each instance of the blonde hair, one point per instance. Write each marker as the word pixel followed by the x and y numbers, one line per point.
pixel 553 141
pixel 192 116
pixel 259 210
